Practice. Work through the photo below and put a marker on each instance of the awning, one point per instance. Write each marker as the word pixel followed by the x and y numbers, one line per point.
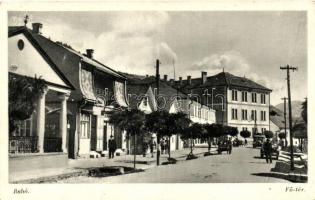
pixel 120 94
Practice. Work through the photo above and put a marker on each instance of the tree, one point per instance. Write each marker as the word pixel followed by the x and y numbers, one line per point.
pixel 209 134
pixel 281 135
pixel 268 134
pixel 156 122
pixel 304 111
pixel 23 95
pixel 245 134
pixel 229 130
pixel 176 124
pixel 132 121
pixel 192 132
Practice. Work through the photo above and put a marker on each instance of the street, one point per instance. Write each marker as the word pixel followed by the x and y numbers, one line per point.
pixel 239 167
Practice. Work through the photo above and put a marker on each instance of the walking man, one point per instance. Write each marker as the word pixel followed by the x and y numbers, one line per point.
pixel 152 145
pixel 229 143
pixel 111 146
pixel 268 151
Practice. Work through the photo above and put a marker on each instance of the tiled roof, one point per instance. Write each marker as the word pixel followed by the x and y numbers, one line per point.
pixel 136 92
pixel 224 78
pixel 166 92
pixel 57 52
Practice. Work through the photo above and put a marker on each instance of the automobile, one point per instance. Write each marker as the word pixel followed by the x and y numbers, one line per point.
pixel 223 146
pixel 237 142
pixel 258 140
pixel 275 151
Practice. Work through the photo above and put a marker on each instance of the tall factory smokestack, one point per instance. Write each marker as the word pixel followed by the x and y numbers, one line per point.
pixel 204 77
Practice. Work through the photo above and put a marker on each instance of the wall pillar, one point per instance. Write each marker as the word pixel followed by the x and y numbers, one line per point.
pixel 63 122
pixel 41 121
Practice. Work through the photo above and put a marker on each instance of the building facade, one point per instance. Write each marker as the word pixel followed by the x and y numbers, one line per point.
pixel 238 101
pixel 99 90
pixel 42 140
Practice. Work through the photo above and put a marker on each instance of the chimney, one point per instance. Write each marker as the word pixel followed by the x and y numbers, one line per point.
pixel 172 81
pixel 204 77
pixel 89 53
pixel 189 80
pixel 37 28
pixel 165 77
pixel 180 80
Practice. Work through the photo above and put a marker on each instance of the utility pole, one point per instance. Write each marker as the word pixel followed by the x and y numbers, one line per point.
pixel 288 68
pixel 157 79
pixel 285 118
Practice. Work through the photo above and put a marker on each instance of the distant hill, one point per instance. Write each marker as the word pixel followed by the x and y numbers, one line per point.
pixel 296 109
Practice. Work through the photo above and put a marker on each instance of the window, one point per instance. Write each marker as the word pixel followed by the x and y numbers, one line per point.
pixel 263 98
pixel 199 112
pixel 234 95
pixel 192 111
pixel 244 96
pixel 254 97
pixel 263 115
pixel 244 128
pixel 253 115
pixel 263 130
pixel 254 130
pixel 85 126
pixel 145 101
pixel 23 128
pixel 234 113
pixel 244 114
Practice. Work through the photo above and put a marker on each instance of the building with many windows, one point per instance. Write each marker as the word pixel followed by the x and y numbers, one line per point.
pixel 238 101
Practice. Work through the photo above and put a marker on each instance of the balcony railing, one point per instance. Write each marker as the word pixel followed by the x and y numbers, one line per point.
pixel 28 144
pixel 22 144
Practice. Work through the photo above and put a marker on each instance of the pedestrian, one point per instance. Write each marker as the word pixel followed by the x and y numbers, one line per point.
pixel 245 142
pixel 268 151
pixel 152 145
pixel 111 146
pixel 166 146
pixel 162 146
pixel 229 143
pixel 144 148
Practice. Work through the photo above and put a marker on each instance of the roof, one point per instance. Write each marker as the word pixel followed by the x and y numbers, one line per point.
pixel 14 30
pixel 278 121
pixel 166 92
pixel 224 79
pixel 59 49
pixel 136 92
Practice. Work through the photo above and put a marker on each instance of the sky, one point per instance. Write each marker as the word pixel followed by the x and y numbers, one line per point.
pixel 253 44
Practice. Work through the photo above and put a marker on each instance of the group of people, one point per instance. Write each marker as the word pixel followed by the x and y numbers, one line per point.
pixel 268 151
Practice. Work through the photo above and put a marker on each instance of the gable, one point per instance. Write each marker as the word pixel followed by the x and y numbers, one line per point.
pixel 25 60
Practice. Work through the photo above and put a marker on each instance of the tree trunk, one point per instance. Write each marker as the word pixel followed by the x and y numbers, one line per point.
pixel 191 146
pixel 158 152
pixel 209 144
pixel 169 147
pixel 134 151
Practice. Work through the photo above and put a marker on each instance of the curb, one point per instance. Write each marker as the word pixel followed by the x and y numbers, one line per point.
pixel 53 178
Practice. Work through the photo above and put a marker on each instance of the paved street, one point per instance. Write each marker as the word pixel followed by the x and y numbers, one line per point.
pixel 236 168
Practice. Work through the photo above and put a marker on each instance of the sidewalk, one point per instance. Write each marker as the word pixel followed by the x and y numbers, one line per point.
pixel 80 167
pixel 283 170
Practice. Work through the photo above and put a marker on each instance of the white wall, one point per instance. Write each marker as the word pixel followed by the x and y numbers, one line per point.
pixel 249 106
pixel 29 62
